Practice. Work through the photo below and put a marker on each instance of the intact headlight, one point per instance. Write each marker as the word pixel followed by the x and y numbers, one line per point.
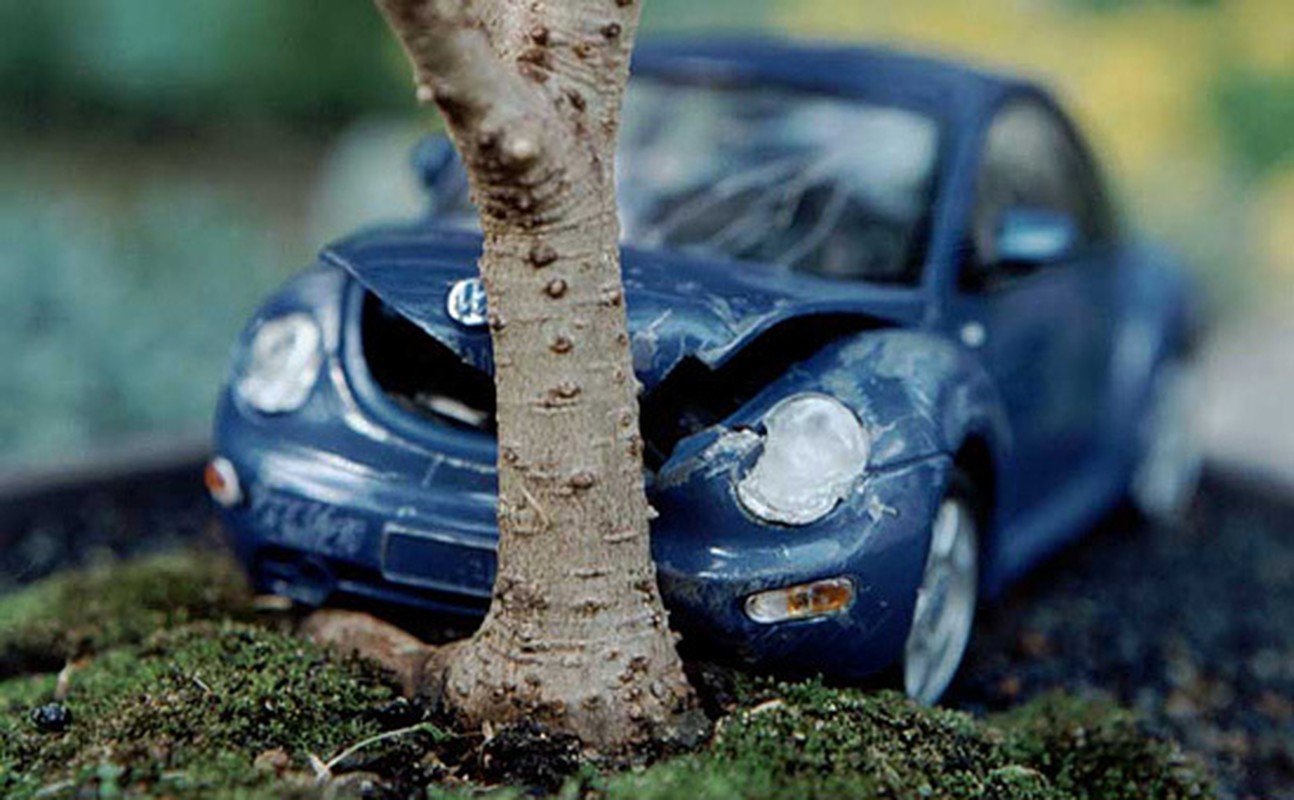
pixel 814 451
pixel 282 364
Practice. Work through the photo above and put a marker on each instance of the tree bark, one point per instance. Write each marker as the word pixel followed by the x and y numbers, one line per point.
pixel 576 636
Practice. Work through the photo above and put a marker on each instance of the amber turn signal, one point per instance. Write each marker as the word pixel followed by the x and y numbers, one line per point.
pixel 221 480
pixel 801 602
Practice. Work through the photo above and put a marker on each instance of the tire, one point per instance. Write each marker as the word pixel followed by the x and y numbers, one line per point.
pixel 1170 461
pixel 944 615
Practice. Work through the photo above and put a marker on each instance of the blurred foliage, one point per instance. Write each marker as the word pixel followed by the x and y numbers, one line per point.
pixel 1256 111
pixel 123 285
pixel 119 298
pixel 197 62
pixel 202 62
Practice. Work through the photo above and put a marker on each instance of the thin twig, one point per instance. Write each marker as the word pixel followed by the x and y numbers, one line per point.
pixel 55 789
pixel 381 737
pixel 63 685
pixel 322 772
pixel 766 706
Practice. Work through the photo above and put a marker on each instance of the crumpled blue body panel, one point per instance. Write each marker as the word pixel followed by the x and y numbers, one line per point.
pixel 678 305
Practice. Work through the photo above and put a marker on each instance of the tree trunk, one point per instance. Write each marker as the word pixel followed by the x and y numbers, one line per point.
pixel 576 636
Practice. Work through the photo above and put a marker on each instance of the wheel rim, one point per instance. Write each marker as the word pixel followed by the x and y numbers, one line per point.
pixel 1171 462
pixel 945 608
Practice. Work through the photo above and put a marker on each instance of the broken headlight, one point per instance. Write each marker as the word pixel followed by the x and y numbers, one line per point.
pixel 814 451
pixel 281 364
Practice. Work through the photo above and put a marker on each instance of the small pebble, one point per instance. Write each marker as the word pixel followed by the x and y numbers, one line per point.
pixel 52 718
pixel 276 761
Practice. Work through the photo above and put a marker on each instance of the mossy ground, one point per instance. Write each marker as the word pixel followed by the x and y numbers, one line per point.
pixel 178 689
pixel 94 610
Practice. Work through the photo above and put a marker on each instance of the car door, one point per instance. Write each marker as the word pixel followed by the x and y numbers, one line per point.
pixel 1041 321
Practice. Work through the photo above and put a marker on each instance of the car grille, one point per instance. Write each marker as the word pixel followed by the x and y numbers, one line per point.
pixel 422 375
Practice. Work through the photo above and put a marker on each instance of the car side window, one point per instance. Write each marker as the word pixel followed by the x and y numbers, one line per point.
pixel 1032 160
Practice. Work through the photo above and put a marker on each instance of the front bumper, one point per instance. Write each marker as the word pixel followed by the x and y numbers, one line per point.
pixel 317 527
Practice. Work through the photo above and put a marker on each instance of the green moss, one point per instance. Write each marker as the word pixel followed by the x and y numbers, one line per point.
pixel 807 741
pixel 188 711
pixel 172 707
pixel 1094 749
pixel 89 611
pixel 813 742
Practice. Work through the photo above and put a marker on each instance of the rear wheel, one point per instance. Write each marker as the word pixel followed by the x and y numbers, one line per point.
pixel 1167 474
pixel 946 600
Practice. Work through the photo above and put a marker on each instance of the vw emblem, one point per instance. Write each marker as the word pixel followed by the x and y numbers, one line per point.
pixel 466 303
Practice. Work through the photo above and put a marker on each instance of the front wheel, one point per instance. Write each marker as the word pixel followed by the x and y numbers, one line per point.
pixel 946 599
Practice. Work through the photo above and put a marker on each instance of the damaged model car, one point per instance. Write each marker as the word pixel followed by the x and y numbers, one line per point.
pixel 894 349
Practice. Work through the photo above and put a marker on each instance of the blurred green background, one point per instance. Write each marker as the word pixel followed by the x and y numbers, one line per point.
pixel 165 164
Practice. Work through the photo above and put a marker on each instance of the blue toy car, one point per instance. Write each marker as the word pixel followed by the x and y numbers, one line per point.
pixel 894 349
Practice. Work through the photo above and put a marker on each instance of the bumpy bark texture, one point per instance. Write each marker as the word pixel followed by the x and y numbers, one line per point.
pixel 577 636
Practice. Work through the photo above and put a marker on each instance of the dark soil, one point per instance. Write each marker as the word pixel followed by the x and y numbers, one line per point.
pixel 527 755
pixel 1192 627
pixel 45 531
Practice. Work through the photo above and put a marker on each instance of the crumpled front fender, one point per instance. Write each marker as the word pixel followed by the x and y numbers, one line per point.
pixel 918 395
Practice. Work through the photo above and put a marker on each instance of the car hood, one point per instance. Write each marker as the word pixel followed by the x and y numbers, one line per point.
pixel 679 305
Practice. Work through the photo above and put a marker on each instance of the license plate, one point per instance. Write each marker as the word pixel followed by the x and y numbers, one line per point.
pixel 440 561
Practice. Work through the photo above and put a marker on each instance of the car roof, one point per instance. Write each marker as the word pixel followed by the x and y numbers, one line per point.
pixel 954 91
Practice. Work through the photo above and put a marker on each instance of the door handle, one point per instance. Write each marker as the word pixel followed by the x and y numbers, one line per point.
pixel 974 334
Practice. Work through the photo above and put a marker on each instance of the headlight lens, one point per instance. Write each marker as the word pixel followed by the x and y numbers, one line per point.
pixel 282 364
pixel 814 451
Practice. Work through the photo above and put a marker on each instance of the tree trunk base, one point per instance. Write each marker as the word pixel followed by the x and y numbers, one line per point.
pixel 614 699
pixel 617 703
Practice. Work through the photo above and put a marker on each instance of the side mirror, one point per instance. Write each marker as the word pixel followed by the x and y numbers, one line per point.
pixel 436 162
pixel 1034 237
